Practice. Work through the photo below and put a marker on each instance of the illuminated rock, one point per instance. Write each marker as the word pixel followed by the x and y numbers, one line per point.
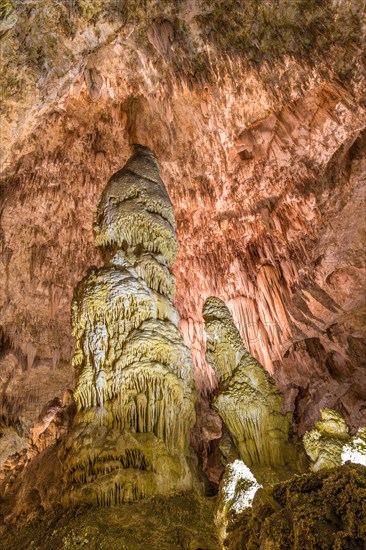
pixel 135 211
pixel 237 489
pixel 248 151
pixel 317 509
pixel 329 445
pixel 355 450
pixel 248 401
pixel 324 444
pixel 134 393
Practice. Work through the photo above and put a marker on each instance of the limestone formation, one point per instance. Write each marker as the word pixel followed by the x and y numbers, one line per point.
pixel 258 115
pixel 329 444
pixel 237 489
pixel 247 400
pixel 31 479
pixel 324 444
pixel 134 393
pixel 355 449
pixel 323 509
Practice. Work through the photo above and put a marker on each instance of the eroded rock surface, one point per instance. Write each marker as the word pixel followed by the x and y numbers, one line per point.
pixel 31 479
pixel 257 115
pixel 180 521
pixel 324 509
pixel 355 450
pixel 237 490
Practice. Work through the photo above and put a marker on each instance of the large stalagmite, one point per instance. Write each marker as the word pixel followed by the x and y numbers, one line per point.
pixel 247 400
pixel 134 393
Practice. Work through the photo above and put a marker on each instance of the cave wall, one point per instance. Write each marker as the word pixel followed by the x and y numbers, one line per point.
pixel 258 128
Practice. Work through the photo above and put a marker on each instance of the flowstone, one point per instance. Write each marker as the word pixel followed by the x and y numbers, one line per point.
pixel 247 399
pixel 135 394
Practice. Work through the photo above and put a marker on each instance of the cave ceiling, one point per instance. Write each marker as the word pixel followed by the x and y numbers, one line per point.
pixel 262 149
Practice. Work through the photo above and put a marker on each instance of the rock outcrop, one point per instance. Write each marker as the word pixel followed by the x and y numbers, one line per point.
pixel 324 444
pixel 330 444
pixel 31 479
pixel 256 111
pixel 247 398
pixel 179 521
pixel 134 391
pixel 315 510
pixel 237 490
pixel 355 449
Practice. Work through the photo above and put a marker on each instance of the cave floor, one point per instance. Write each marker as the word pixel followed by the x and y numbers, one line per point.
pixel 183 521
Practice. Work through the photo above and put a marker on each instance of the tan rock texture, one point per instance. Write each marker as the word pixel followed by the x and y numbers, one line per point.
pixel 31 479
pixel 329 444
pixel 256 112
pixel 325 443
pixel 181 521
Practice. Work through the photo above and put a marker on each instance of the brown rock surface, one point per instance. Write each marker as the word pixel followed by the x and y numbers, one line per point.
pixel 31 479
pixel 256 116
pixel 180 521
pixel 317 510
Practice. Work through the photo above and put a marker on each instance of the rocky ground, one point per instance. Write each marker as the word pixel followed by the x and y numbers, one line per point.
pixel 326 510
pixel 182 521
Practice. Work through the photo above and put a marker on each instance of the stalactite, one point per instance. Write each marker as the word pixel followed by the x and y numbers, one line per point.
pixel 134 393
pixel 56 293
pixel 246 316
pixel 31 352
pixel 56 354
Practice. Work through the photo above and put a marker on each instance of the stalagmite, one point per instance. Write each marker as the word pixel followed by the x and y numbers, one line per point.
pixel 247 400
pixel 134 393
pixel 237 489
pixel 329 445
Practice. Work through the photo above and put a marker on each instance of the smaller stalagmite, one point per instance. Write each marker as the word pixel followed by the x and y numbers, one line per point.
pixel 329 444
pixel 247 399
pixel 237 490
pixel 134 393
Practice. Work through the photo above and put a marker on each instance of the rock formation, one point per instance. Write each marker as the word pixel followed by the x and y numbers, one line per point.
pixel 256 111
pixel 330 444
pixel 134 390
pixel 355 449
pixel 260 136
pixel 325 509
pixel 237 489
pixel 324 444
pixel 247 398
pixel 31 479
